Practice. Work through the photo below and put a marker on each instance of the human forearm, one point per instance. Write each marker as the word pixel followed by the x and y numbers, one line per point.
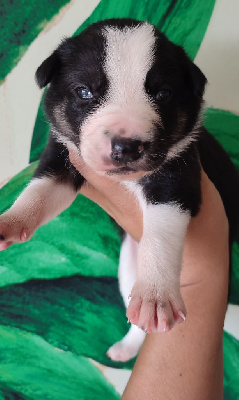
pixel 186 363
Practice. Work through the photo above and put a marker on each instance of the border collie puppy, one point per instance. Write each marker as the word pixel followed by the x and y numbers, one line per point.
pixel 128 101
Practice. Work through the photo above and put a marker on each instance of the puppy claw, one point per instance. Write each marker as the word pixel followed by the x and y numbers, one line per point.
pixel 24 235
pixel 144 329
pixel 159 312
pixel 167 326
pixel 181 317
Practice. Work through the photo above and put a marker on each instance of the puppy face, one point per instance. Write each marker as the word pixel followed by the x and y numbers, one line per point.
pixel 123 95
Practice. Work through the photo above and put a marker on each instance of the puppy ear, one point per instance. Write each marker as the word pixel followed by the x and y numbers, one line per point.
pixel 47 69
pixel 195 79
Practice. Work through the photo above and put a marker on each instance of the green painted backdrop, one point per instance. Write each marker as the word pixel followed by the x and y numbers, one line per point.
pixel 60 288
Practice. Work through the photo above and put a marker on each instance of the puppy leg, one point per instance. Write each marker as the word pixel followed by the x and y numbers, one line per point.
pixel 52 189
pixel 156 303
pixel 168 199
pixel 42 200
pixel 129 346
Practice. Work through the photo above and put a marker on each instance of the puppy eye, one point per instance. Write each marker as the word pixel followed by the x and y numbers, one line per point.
pixel 163 94
pixel 84 93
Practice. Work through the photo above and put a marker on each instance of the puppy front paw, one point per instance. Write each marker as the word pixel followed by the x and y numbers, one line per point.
pixel 12 230
pixel 155 309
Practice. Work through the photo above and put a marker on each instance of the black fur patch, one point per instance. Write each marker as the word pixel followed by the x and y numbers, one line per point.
pixel 55 163
pixel 178 181
pixel 79 61
pixel 221 171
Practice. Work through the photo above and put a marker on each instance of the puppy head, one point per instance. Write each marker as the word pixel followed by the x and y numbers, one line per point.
pixel 124 95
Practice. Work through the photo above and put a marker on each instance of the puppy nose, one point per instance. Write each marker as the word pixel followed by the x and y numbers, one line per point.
pixel 126 150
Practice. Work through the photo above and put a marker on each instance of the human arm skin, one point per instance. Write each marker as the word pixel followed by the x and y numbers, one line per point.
pixel 185 363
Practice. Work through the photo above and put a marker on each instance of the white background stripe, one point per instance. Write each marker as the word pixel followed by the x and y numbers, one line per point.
pixel 19 94
pixel 218 56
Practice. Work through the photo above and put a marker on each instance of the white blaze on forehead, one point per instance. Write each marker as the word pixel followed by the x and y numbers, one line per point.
pixel 126 109
pixel 129 56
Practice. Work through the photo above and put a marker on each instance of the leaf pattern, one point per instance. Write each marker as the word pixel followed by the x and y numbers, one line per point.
pixel 20 24
pixel 60 288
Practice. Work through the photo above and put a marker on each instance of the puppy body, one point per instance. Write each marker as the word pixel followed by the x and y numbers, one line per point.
pixel 128 101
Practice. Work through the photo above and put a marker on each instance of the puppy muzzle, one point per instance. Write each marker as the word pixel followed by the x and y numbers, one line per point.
pixel 125 150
